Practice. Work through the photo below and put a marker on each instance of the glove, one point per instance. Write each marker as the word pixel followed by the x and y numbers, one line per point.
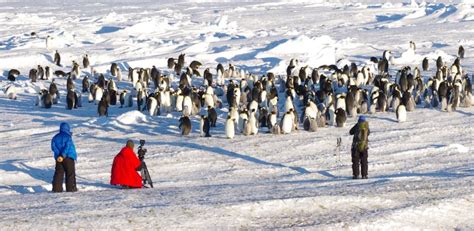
pixel 60 159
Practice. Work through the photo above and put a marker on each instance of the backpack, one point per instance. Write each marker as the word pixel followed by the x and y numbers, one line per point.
pixel 362 137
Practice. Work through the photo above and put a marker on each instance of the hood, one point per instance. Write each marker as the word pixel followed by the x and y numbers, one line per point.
pixel 64 127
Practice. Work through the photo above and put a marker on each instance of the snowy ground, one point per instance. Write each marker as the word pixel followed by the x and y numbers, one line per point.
pixel 421 172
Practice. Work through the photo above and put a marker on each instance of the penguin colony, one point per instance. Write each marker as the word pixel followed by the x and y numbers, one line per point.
pixel 312 96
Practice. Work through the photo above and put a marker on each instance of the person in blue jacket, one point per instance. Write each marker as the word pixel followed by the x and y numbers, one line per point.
pixel 65 156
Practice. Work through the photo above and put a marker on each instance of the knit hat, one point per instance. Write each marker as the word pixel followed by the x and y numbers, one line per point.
pixel 362 119
pixel 130 144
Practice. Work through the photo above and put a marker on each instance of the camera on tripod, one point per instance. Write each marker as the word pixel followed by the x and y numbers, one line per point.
pixel 141 151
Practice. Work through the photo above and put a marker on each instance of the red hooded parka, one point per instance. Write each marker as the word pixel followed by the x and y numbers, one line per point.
pixel 124 169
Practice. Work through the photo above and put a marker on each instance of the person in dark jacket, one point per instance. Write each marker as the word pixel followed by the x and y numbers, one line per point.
pixel 360 146
pixel 65 156
pixel 125 167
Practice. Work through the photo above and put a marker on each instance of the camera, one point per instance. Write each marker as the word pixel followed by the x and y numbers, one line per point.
pixel 141 151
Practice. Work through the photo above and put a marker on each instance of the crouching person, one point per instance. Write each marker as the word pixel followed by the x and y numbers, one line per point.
pixel 65 156
pixel 125 167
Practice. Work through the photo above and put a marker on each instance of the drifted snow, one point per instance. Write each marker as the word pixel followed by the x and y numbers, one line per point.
pixel 420 172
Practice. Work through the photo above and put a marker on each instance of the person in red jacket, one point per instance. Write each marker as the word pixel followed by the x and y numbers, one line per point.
pixel 125 167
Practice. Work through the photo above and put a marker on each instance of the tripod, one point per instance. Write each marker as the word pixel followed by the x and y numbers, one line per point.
pixel 337 152
pixel 146 178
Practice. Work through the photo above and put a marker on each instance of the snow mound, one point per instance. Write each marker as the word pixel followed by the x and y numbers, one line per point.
pixel 458 148
pixel 131 118
pixel 314 51
pixel 148 27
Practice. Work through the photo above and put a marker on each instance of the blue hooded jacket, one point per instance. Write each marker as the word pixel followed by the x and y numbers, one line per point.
pixel 62 144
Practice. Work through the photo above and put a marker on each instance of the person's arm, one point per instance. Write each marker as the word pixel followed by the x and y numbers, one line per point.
pixel 353 130
pixel 54 149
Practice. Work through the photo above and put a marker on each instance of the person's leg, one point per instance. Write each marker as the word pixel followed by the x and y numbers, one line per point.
pixel 69 166
pixel 364 163
pixel 355 163
pixel 58 177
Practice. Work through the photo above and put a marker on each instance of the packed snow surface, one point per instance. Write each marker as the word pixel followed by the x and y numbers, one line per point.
pixel 421 172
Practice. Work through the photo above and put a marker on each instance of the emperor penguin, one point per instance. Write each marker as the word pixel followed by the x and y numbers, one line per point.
pixel 47 100
pixel 401 113
pixel 85 84
pixel 85 61
pixel 152 105
pixel 272 120
pixel 13 74
pixel 205 126
pixel 310 124
pixel 57 58
pixel 253 122
pixel 461 52
pixel 103 107
pixel 47 72
pixel 71 99
pixel 185 125
pixel 287 122
pixel 212 114
pixel 230 127
pixel 425 64
pixel 247 128
pixel 10 91
pixel 243 116
pixel 340 117
pixel 99 92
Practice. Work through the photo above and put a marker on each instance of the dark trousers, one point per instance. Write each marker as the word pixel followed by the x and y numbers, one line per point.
pixel 359 158
pixel 66 167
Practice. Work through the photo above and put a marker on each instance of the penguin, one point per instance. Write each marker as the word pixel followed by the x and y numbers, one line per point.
pixel 321 120
pixel 181 60
pixel 201 125
pixel 171 63
pixel 408 101
pixel 10 91
pixel 103 107
pixel 47 40
pixel 230 127
pixel 13 74
pixel 351 105
pixel 99 92
pixel 71 99
pixel 85 84
pixel 47 72
pixel 310 124
pixel 152 105
pixel 113 97
pixel 401 113
pixel 78 99
pixel 85 61
pixel 70 84
pixel 212 115
pixel 187 105
pixel 185 125
pixel 40 71
pixel 57 58
pixel 439 63
pixel 243 115
pixel 141 96
pixel 33 75
pixel 47 99
pixel 53 91
pixel 461 52
pixel 205 126
pixel 114 69
pixel 247 128
pixel 253 122
pixel 287 122
pixel 75 72
pixel 340 117
pixel 123 96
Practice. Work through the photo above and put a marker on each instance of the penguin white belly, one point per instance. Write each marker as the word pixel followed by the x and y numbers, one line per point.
pixel 229 129
pixel 287 124
pixel 401 113
pixel 152 106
